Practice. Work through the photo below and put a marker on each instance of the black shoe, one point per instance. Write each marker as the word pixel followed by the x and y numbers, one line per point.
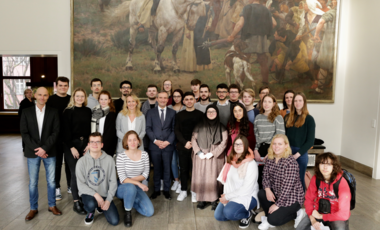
pixel 89 218
pixel 202 204
pixel 128 219
pixel 244 223
pixel 99 210
pixel 78 208
pixel 214 205
pixel 167 195
pixel 155 195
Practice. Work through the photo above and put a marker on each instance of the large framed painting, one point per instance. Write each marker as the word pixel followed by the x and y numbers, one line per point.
pixel 283 44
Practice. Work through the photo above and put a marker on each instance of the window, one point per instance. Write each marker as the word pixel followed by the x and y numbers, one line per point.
pixel 15 73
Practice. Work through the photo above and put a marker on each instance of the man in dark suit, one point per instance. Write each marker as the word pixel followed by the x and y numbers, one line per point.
pixel 39 130
pixel 160 130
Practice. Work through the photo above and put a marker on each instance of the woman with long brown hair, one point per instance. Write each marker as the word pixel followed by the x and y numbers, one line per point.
pixel 104 122
pixel 239 197
pixel 300 129
pixel 267 124
pixel 329 173
pixel 76 130
pixel 287 102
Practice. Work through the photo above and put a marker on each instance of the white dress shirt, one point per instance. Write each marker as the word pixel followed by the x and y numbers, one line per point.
pixel 101 124
pixel 159 112
pixel 40 118
pixel 132 124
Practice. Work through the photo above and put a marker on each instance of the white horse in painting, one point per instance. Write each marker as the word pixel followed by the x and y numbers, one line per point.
pixel 171 17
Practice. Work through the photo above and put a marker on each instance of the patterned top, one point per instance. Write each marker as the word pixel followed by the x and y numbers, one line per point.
pixel 266 130
pixel 284 180
pixel 127 168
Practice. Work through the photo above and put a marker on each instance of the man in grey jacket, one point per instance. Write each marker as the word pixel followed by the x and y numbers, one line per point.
pixel 96 88
pixel 97 183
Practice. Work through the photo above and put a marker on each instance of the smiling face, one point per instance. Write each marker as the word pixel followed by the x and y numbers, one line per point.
pixel 234 94
pixel 41 96
pixel 239 146
pixel 167 86
pixel 279 146
pixel 189 101
pixel 289 99
pixel 238 113
pixel 268 104
pixel 133 142
pixel 62 88
pixel 222 94
pixel 177 98
pixel 126 90
pixel 248 99
pixel 298 102
pixel 211 113
pixel 151 93
pixel 79 98
pixel 95 144
pixel 204 93
pixel 104 100
pixel 162 99
pixel 131 103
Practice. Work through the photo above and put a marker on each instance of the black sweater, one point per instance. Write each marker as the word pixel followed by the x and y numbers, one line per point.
pixel 25 104
pixel 60 103
pixel 76 124
pixel 185 123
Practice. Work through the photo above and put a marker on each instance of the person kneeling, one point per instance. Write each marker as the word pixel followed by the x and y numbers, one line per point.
pixel 133 167
pixel 328 172
pixel 96 179
pixel 240 185
pixel 283 195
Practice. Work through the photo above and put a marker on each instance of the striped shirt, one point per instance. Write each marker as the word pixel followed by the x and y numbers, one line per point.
pixel 266 130
pixel 127 168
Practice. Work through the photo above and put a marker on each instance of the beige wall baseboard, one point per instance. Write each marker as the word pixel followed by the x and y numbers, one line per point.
pixel 356 165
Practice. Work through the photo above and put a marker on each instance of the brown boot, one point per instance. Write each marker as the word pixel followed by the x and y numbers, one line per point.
pixel 55 211
pixel 31 215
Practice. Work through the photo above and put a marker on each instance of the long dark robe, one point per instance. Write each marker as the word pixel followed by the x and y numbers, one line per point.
pixel 202 55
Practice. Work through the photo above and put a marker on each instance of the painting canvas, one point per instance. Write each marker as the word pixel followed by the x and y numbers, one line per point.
pixel 283 44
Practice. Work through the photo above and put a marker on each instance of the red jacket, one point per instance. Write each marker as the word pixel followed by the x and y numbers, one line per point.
pixel 340 208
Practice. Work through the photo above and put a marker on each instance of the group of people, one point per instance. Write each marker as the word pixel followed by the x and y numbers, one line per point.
pixel 237 156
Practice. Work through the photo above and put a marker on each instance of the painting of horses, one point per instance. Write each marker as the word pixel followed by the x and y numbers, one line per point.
pixel 282 44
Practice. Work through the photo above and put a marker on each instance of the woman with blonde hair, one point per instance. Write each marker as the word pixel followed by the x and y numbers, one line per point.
pixel 283 195
pixel 104 122
pixel 76 127
pixel 300 129
pixel 167 87
pixel 130 118
pixel 248 97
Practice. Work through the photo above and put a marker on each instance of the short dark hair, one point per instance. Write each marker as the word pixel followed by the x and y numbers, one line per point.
pixel 322 158
pixel 263 87
pixel 205 86
pixel 234 86
pixel 95 134
pixel 62 79
pixel 222 86
pixel 125 82
pixel 152 86
pixel 95 80
pixel 180 92
pixel 188 94
pixel 195 82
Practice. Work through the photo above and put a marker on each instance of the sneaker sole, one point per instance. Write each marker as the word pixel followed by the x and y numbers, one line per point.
pixel 244 226
pixel 58 198
pixel 88 223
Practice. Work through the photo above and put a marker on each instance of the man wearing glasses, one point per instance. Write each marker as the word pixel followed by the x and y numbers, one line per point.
pixel 234 91
pixel 223 104
pixel 125 90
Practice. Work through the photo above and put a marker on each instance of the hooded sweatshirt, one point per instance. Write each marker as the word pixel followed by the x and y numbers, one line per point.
pixel 96 176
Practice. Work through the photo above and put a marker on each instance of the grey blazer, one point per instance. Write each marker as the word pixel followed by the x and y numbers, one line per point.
pixel 122 128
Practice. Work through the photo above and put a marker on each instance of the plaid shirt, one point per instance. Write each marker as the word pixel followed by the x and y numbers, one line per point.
pixel 284 180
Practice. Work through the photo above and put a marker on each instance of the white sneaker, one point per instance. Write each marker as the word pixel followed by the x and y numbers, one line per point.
pixel 182 195
pixel 264 224
pixel 162 185
pixel 193 197
pixel 58 195
pixel 69 190
pixel 300 215
pixel 175 185
pixel 145 182
pixel 178 189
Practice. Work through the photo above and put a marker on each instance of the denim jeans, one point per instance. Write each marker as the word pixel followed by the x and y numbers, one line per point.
pixel 135 197
pixel 302 164
pixel 34 170
pixel 305 224
pixel 175 164
pixel 233 211
pixel 90 203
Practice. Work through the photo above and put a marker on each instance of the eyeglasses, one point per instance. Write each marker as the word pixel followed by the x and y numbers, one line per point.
pixel 238 144
pixel 125 87
pixel 95 142
pixel 224 92
pixel 211 112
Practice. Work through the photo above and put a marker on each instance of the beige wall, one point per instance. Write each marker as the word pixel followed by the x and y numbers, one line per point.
pixel 43 27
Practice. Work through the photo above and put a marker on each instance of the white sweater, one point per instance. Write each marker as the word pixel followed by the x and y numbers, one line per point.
pixel 241 190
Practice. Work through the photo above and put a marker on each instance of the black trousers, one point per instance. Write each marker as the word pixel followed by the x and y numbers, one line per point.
pixel 282 215
pixel 58 166
pixel 72 163
pixel 186 165
pixel 263 151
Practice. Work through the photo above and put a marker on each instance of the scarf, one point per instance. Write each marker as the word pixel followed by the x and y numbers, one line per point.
pixel 242 169
pixel 97 113
pixel 209 131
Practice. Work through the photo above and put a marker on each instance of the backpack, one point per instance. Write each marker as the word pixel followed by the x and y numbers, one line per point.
pixel 351 183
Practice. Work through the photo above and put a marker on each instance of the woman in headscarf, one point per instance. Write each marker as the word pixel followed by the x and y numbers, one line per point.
pixel 209 142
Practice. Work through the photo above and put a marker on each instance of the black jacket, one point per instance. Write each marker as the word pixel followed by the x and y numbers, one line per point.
pixel 109 134
pixel 31 136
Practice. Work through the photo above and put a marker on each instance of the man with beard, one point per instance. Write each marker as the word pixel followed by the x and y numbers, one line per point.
pixel 96 88
pixel 126 90
pixel 204 92
pixel 223 104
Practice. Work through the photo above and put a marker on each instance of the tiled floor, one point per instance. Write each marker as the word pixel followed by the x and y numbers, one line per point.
pixel 169 215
